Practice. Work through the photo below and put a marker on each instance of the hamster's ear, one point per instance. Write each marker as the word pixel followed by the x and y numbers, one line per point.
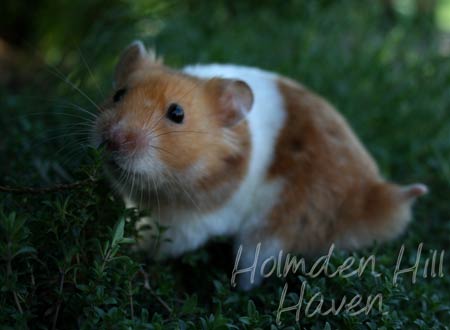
pixel 232 99
pixel 131 59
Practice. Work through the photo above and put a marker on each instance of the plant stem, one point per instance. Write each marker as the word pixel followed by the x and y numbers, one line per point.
pixel 46 190
pixel 153 293
pixel 61 285
pixel 16 298
pixel 130 293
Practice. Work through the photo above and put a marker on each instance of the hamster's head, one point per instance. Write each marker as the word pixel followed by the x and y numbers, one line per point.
pixel 161 126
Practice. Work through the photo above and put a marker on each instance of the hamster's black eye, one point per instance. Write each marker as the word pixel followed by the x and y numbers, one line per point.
pixel 118 96
pixel 175 113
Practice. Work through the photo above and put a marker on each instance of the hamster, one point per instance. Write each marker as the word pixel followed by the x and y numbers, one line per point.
pixel 238 151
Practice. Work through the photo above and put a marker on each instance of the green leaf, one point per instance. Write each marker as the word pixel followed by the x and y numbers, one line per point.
pixel 121 258
pixel 24 249
pixel 251 309
pixel 83 287
pixel 245 320
pixel 127 240
pixel 189 305
pixel 118 231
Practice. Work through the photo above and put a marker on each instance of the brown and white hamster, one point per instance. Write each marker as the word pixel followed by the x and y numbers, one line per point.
pixel 232 150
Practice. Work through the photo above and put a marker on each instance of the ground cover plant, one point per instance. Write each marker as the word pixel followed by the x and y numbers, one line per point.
pixel 65 256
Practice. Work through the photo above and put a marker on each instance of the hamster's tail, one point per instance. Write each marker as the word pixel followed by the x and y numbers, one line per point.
pixel 381 213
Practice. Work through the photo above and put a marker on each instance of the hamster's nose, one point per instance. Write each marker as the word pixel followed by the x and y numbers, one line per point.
pixel 124 140
pixel 114 139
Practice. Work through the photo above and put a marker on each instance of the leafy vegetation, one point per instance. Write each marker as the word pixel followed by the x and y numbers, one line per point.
pixel 66 260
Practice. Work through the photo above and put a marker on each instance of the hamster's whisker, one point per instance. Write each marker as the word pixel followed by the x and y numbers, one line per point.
pixel 117 187
pixel 83 143
pixel 174 132
pixel 56 72
pixel 162 149
pixel 74 154
pixel 147 122
pixel 122 181
pixel 82 138
pixel 79 127
pixel 78 139
pixel 127 144
pixel 62 103
pixel 119 182
pixel 60 75
pixel 157 198
pixel 189 91
pixel 141 194
pixel 152 132
pixel 86 64
pixel 73 148
pixel 130 178
pixel 147 179
pixel 88 125
pixel 178 184
pixel 71 105
pixel 65 130
pixel 66 114
pixel 58 137
pixel 77 107
pixel 134 175
pixel 55 137
pixel 156 124
pixel 132 183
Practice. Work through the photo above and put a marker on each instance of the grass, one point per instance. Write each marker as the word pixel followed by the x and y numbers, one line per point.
pixel 65 257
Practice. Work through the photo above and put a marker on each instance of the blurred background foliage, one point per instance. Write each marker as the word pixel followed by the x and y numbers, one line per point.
pixel 55 30
pixel 385 64
pixel 399 41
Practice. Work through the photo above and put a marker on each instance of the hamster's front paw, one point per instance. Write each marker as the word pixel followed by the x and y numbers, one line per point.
pixel 151 238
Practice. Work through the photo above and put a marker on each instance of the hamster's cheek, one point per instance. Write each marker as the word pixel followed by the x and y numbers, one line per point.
pixel 149 165
pixel 179 151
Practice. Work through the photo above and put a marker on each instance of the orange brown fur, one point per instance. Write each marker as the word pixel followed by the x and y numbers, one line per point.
pixel 198 139
pixel 333 185
pixel 254 155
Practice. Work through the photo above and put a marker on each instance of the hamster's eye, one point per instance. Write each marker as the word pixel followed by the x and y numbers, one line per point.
pixel 175 113
pixel 118 96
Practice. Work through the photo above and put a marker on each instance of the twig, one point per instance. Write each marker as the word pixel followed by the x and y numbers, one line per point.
pixel 61 286
pixel 153 293
pixel 46 190
pixel 131 299
pixel 33 281
pixel 16 298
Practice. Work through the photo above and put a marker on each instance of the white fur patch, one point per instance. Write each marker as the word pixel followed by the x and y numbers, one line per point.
pixel 255 197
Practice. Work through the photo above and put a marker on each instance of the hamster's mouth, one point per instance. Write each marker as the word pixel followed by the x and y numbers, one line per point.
pixel 117 168
pixel 114 166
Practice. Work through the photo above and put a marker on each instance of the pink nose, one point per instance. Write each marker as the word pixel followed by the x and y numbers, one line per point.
pixel 124 140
